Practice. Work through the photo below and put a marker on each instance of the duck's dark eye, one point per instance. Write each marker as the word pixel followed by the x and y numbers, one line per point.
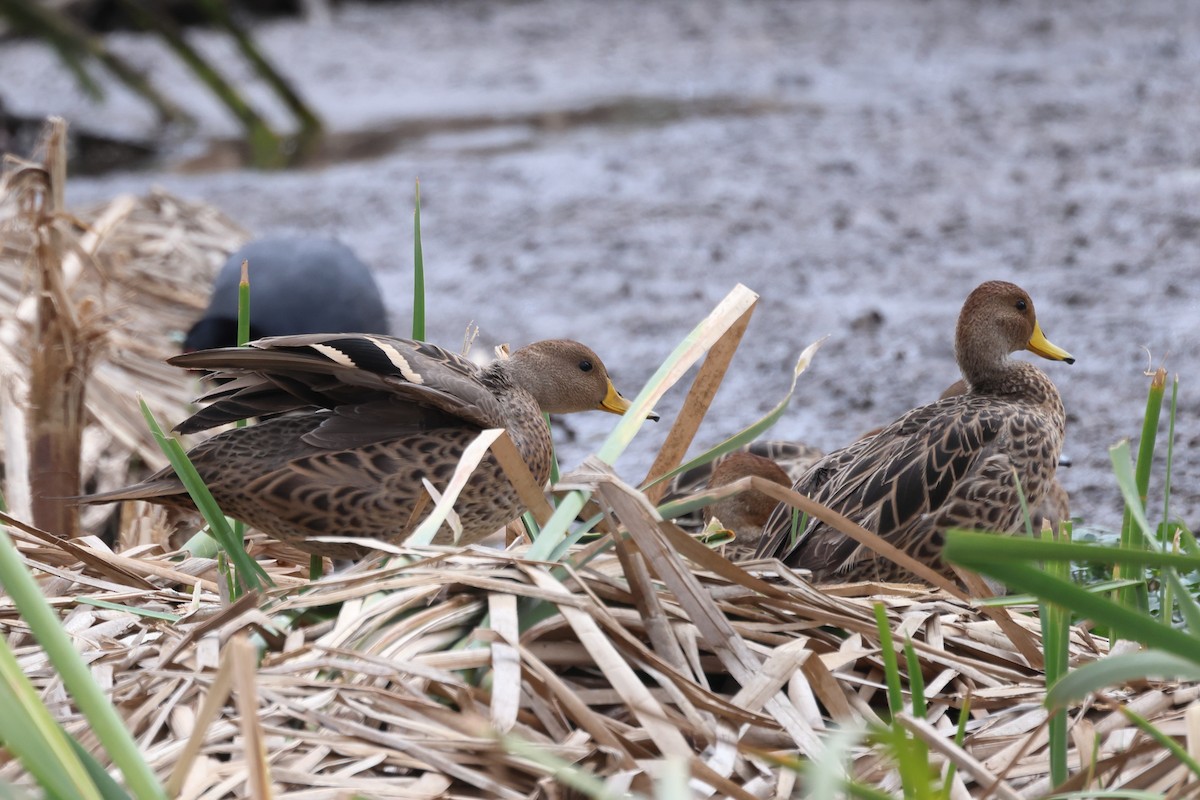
pixel 585 365
pixel 1021 305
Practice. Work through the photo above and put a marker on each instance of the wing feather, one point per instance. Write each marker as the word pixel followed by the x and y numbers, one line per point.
pixel 889 481
pixel 287 373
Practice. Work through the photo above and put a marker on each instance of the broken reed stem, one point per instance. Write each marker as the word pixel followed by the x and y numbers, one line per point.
pixel 58 358
pixel 700 396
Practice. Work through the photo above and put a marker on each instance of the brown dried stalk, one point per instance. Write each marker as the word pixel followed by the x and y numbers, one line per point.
pixel 60 354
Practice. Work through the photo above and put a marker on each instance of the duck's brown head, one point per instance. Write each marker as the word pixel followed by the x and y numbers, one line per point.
pixel 998 319
pixel 745 513
pixel 565 376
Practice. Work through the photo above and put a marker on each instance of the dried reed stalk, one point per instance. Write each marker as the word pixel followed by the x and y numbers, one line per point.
pixel 146 260
pixel 61 354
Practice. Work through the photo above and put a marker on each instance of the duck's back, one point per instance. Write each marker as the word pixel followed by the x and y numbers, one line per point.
pixel 953 463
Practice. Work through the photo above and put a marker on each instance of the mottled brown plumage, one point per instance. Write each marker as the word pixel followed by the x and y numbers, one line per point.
pixel 1056 504
pixel 792 458
pixel 747 512
pixel 357 421
pixel 953 463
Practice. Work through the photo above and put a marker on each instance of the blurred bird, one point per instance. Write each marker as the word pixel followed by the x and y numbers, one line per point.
pixel 747 512
pixel 298 284
pixel 744 514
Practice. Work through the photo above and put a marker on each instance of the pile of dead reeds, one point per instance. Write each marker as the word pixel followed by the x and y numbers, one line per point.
pixel 480 673
pixel 127 275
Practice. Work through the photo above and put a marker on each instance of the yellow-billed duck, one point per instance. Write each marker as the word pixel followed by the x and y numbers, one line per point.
pixel 354 422
pixel 953 463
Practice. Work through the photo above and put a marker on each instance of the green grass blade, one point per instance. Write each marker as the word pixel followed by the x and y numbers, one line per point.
pixel 1145 457
pixel 109 789
pixel 1165 742
pixel 891 668
pixel 799 526
pixel 912 760
pixel 31 734
pixel 250 574
pixel 418 312
pixel 141 612
pixel 1118 669
pixel 912 754
pixel 1119 455
pixel 1028 578
pixel 1170 452
pixel 916 679
pixel 1017 599
pixel 1056 631
pixel 76 676
pixel 243 326
pixel 1135 530
pixel 967 546
pixel 1187 541
pixel 532 529
pixel 574 537
pixel 554 471
pixel 1165 600
pixel 243 336
pixel 1189 609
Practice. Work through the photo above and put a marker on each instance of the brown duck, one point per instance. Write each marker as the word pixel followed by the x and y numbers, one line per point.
pixel 354 422
pixel 745 514
pixel 953 463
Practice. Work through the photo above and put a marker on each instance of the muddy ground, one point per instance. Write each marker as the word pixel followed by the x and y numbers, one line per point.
pixel 862 164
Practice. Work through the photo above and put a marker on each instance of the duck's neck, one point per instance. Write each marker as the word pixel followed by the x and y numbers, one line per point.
pixel 527 428
pixel 983 363
pixel 993 377
pixel 1015 378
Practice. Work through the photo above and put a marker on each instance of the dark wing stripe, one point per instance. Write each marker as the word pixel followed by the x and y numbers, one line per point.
pixel 908 497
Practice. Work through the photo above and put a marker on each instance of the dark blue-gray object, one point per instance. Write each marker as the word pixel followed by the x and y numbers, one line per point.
pixel 297 285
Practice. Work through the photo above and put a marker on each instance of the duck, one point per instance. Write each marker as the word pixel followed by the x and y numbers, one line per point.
pixel 747 512
pixel 954 463
pixel 298 284
pixel 352 424
pixel 777 460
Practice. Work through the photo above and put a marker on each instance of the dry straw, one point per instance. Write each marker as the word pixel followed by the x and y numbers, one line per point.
pixel 122 276
pixel 640 655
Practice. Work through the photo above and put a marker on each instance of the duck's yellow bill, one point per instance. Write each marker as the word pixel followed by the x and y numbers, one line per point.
pixel 615 403
pixel 1038 343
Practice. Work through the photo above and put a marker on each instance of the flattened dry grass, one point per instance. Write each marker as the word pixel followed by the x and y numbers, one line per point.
pixel 436 676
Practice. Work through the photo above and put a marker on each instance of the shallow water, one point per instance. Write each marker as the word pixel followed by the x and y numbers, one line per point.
pixel 862 164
